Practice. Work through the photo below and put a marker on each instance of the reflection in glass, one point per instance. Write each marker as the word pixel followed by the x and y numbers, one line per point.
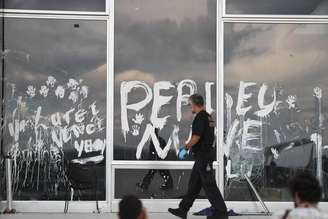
pixel 277 7
pixel 164 51
pixel 55 103
pixel 58 5
pixel 167 184
pixel 275 106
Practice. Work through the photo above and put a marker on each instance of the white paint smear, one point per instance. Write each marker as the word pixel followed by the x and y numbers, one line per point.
pixel 150 133
pixel 266 109
pixel 243 98
pixel 126 88
pixel 208 97
pixel 182 99
pixel 158 102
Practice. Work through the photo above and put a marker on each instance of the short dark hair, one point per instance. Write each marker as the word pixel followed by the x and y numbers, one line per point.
pixel 130 207
pixel 306 186
pixel 197 99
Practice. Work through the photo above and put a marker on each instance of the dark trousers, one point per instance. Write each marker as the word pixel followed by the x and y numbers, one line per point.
pixel 202 176
pixel 165 174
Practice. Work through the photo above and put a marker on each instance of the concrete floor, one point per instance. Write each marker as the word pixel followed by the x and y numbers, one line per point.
pixel 105 216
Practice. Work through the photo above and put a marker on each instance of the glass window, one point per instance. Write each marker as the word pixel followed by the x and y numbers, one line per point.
pixel 57 5
pixel 152 184
pixel 275 106
pixel 277 7
pixel 164 51
pixel 55 73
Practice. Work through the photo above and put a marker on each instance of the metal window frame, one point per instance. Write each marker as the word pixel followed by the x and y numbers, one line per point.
pixel 268 16
pixel 61 12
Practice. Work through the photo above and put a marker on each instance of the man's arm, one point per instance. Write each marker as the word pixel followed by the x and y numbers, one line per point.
pixel 194 139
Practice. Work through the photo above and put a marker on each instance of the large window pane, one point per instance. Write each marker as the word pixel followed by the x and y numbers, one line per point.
pixel 153 183
pixel 275 106
pixel 55 103
pixel 277 7
pixel 164 51
pixel 60 5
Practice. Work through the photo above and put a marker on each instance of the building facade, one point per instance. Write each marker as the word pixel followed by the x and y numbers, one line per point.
pixel 87 82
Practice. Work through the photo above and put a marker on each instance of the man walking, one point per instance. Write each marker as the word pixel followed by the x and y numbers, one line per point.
pixel 202 175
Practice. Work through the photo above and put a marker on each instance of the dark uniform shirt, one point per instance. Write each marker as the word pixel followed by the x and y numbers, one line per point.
pixel 203 126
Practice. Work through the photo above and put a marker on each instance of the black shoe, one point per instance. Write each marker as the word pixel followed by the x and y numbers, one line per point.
pixel 219 215
pixel 166 186
pixel 178 212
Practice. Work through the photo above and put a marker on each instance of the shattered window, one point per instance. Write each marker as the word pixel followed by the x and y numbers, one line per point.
pixel 275 107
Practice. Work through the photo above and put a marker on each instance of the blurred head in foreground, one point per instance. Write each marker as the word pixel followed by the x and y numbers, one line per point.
pixel 130 207
pixel 305 190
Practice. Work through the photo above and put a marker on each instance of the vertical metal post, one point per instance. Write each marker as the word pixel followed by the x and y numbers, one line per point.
pixel 9 184
pixel 2 56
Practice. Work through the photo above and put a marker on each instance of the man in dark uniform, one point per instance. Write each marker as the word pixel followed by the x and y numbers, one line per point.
pixel 202 174
pixel 165 174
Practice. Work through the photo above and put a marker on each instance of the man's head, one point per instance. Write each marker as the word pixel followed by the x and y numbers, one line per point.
pixel 197 103
pixel 305 189
pixel 130 207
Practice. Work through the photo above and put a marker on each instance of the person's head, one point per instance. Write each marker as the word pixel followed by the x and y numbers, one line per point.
pixel 305 190
pixel 197 103
pixel 130 207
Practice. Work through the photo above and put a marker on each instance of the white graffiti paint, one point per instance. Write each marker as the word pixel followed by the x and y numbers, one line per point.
pixel 31 91
pixel 60 92
pixel 275 153
pixel 272 120
pixel 39 139
pixel 182 99
pixel 243 98
pixel 135 130
pixel 44 90
pixel 232 134
pixel 250 134
pixel 277 135
pixel 158 102
pixel 265 108
pixel 175 138
pixel 126 88
pixel 51 81
pixel 72 84
pixel 229 104
pixel 84 91
pixel 139 118
pixel 291 101
pixel 317 139
pixel 160 105
pixel 208 98
pixel 150 133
